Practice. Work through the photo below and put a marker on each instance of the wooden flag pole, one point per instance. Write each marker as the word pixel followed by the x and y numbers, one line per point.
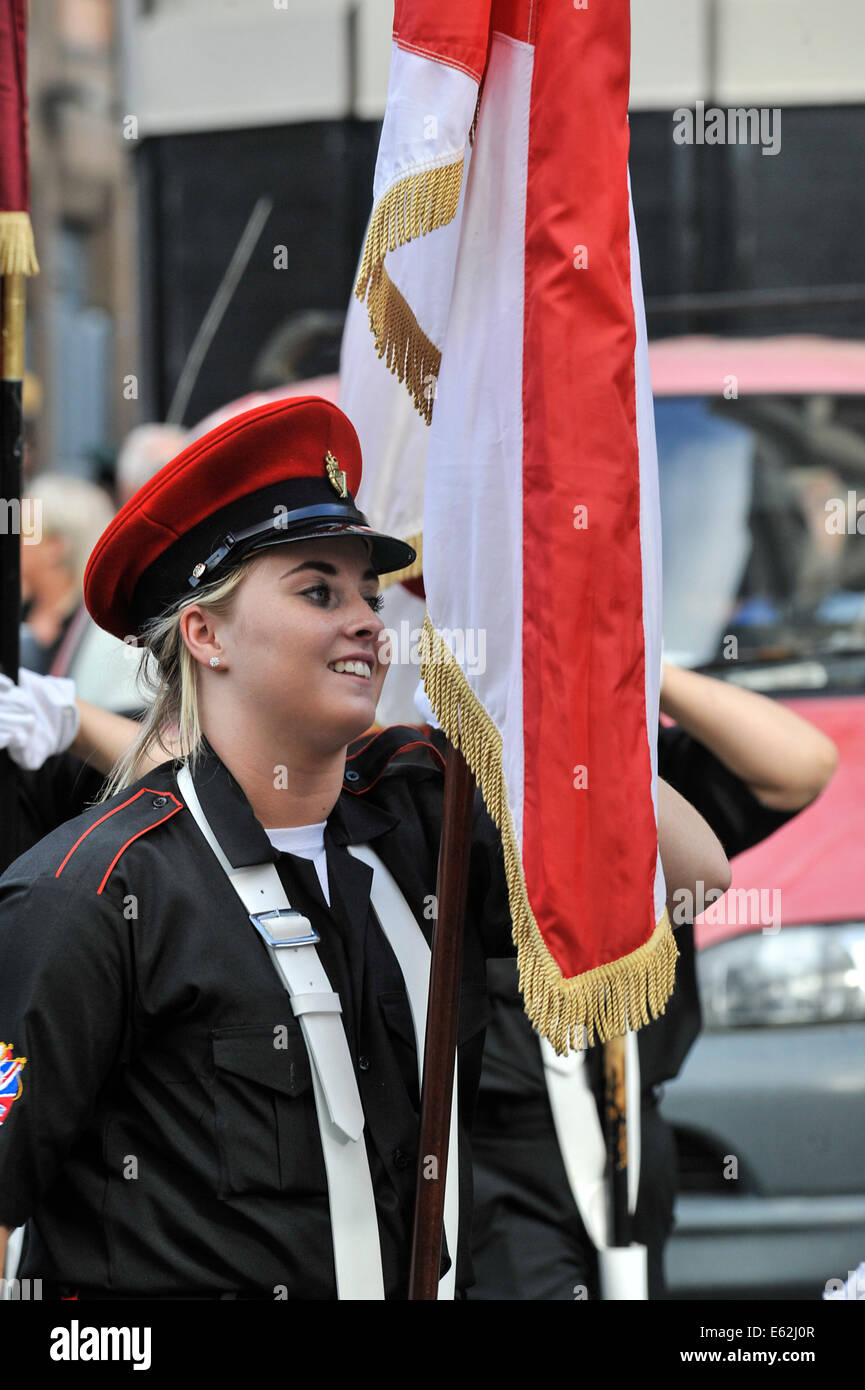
pixel 441 1028
pixel 11 380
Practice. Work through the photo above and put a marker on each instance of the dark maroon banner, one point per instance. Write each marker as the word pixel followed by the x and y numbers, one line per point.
pixel 14 172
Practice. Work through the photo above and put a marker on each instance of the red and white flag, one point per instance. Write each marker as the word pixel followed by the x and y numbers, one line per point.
pixel 501 281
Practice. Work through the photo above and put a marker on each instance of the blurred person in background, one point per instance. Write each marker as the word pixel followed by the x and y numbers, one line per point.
pixel 69 515
pixel 71 672
pixel 31 408
pixel 104 670
pixel 747 765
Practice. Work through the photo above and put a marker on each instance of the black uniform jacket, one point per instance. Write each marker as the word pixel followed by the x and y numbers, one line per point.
pixel 165 1140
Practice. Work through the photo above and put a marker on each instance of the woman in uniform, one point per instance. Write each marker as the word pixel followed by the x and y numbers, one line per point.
pixel 203 977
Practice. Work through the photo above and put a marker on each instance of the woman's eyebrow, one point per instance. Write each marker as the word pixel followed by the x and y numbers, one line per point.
pixel 325 567
pixel 322 565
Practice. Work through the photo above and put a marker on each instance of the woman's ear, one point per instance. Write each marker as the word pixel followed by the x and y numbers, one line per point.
pixel 198 631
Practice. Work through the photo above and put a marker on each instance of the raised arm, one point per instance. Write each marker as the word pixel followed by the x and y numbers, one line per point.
pixel 785 761
pixel 690 851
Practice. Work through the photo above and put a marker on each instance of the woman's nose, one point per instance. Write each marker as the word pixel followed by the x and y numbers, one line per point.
pixel 363 619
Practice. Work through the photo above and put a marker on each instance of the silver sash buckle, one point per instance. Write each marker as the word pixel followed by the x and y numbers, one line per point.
pixel 284 926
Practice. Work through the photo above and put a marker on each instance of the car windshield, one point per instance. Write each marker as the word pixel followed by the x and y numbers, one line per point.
pixel 763 562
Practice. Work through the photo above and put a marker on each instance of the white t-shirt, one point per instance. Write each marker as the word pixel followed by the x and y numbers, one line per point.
pixel 307 842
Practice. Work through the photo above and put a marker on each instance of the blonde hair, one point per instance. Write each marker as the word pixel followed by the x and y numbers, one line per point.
pixel 168 681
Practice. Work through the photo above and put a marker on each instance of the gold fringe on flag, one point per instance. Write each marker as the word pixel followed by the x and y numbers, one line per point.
pixel 17 250
pixel 412 571
pixel 400 340
pixel 416 205
pixel 607 1000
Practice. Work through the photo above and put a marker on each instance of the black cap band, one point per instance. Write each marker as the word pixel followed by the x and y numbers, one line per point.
pixel 294 510
pixel 234 543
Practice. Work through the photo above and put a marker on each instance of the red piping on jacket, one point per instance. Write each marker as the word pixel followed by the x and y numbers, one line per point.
pixel 152 791
pixel 417 743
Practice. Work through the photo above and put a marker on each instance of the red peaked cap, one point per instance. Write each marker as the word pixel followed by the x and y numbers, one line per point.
pixel 268 477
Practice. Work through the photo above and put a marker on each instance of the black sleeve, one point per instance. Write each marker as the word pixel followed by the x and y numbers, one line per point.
pixel 63 1004
pixel 724 801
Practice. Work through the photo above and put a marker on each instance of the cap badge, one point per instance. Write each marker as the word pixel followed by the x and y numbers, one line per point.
pixel 335 474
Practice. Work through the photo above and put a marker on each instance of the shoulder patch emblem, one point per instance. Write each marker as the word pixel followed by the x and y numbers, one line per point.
pixel 10 1079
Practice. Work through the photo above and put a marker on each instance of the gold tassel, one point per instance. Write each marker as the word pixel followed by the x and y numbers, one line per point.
pixel 412 571
pixel 400 340
pixel 17 250
pixel 604 1001
pixel 416 205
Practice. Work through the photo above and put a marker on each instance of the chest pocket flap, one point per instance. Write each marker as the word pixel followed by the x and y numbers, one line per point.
pixel 274 1057
pixel 266 1126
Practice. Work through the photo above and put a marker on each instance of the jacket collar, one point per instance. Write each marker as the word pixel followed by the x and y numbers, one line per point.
pixel 353 821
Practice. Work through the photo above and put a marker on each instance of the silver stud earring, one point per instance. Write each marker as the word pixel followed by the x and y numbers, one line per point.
pixel 214 661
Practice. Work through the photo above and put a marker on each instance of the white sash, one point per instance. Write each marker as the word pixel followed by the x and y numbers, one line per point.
pixel 581 1138
pixel 409 945
pixel 290 941
pixel 623 1269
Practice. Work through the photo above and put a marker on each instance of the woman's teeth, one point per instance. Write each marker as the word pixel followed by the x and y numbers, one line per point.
pixel 352 668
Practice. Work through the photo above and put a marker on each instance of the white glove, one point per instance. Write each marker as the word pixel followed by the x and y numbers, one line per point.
pixel 38 718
